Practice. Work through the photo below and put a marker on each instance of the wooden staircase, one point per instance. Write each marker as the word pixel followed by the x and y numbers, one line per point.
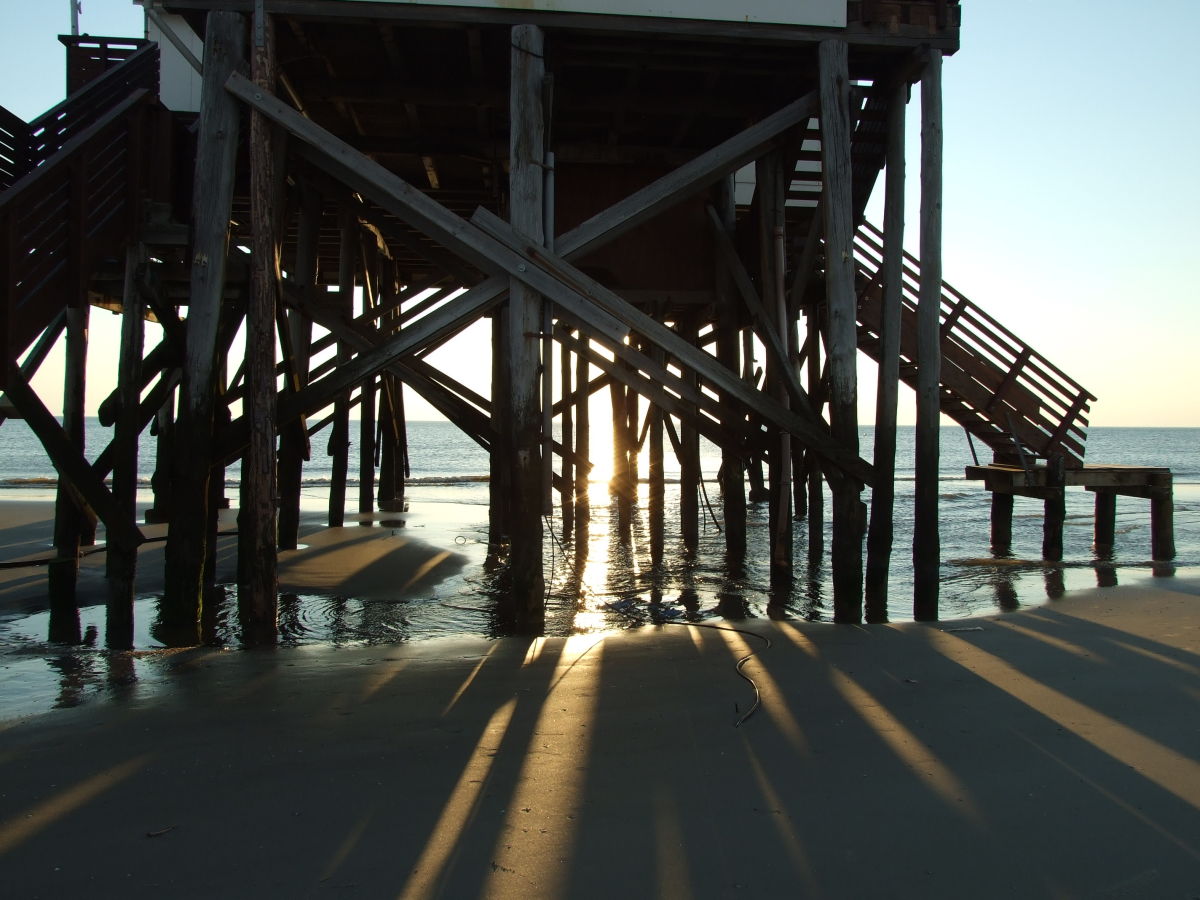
pixel 996 386
pixel 72 183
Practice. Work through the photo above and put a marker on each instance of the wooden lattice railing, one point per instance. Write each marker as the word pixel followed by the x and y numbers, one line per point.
pixel 77 199
pixel 993 384
pixel 51 131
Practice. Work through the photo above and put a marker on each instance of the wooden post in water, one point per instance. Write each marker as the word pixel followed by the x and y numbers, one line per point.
pixel 499 463
pixel 188 549
pixel 770 190
pixel 583 419
pixel 1106 523
pixel 842 336
pixel 657 482
pixel 883 493
pixel 164 456
pixel 1002 515
pixel 926 538
pixel 526 214
pixel 732 473
pixel 1162 517
pixel 567 433
pixel 294 447
pixel 816 483
pixel 393 436
pixel 121 561
pixel 689 456
pixel 754 470
pixel 622 478
pixel 339 437
pixel 258 586
pixel 63 572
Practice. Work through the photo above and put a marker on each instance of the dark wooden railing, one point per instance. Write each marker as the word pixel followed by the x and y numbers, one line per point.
pixel 71 195
pixel 14 148
pixel 51 131
pixel 993 384
pixel 90 57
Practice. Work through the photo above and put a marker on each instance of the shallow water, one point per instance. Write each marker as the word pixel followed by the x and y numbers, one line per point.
pixel 608 585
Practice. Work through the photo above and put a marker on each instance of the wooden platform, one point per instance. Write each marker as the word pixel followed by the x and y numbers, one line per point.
pixel 1153 483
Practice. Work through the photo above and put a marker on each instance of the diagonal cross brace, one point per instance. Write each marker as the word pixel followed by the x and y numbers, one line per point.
pixel 609 317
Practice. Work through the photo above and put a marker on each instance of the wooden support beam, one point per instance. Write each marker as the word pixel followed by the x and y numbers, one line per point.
pixel 41 349
pixel 842 332
pixel 82 479
pixel 258 582
pixel 689 449
pixel 339 438
pixel 567 431
pixel 549 275
pixel 1105 532
pixel 732 475
pixel 782 381
pixel 657 482
pixel 121 561
pixel 583 468
pixel 294 448
pixel 1162 517
pixel 926 537
pixel 883 494
pixel 70 517
pixel 187 548
pixel 1002 515
pixel 522 429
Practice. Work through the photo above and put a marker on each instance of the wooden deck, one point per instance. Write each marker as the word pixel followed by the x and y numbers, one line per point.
pixel 1153 483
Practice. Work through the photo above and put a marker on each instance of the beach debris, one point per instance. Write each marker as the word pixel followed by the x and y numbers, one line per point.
pixel 160 832
pixel 960 630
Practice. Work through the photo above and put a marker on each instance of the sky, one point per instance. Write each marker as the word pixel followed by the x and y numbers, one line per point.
pixel 1071 193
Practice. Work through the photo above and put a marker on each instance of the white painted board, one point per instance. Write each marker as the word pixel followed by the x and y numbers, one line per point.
pixel 822 13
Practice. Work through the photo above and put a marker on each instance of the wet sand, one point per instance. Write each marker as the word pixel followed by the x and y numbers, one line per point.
pixel 372 556
pixel 1051 752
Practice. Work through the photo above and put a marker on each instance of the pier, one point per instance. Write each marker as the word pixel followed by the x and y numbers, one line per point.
pixel 666 209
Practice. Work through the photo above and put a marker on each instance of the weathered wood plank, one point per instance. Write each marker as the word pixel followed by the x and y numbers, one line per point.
pixel 926 538
pixel 187 546
pixel 841 335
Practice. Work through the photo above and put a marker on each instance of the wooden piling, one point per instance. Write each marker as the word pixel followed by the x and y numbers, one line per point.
pixel 770 188
pixel 258 585
pixel 339 436
pixel 63 573
pixel 732 473
pixel 842 335
pixel 187 549
pixel 926 538
pixel 657 482
pixel 1162 517
pixel 526 215
pixel 121 561
pixel 567 439
pixel 1002 516
pixel 1104 535
pixel 622 486
pixel 689 455
pixel 816 483
pixel 583 419
pixel 294 447
pixel 879 538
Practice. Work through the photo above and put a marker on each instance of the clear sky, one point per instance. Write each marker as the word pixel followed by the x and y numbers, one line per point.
pixel 1071 185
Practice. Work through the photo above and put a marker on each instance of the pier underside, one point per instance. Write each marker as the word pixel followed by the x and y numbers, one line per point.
pixel 668 211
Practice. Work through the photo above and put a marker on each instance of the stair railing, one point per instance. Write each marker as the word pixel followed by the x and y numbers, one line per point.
pixel 991 378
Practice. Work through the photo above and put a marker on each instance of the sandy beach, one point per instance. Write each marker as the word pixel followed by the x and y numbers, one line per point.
pixel 1052 752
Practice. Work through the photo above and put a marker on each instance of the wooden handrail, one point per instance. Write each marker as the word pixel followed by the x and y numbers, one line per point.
pixel 1005 377
pixel 52 130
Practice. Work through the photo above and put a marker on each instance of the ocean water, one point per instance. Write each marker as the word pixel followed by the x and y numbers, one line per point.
pixel 610 585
